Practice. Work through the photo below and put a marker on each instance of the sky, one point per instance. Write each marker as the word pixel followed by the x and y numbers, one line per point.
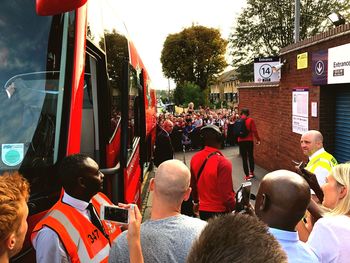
pixel 150 22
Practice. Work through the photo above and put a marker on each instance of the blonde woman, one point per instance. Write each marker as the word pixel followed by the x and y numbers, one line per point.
pixel 330 236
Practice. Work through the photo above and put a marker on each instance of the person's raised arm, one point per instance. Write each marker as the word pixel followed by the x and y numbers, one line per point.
pixel 133 235
pixel 311 180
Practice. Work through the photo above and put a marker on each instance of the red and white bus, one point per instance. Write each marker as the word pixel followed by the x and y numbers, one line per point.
pixel 71 81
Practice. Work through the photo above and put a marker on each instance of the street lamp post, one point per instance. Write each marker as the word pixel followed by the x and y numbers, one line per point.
pixel 169 90
pixel 297 21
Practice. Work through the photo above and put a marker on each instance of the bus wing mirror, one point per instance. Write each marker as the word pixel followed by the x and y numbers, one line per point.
pixel 54 7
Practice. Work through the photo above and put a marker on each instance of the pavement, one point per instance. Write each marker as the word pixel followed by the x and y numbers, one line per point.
pixel 232 153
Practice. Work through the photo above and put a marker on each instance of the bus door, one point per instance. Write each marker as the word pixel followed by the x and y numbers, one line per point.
pixel 106 109
pixel 99 117
pixel 130 135
pixel 125 177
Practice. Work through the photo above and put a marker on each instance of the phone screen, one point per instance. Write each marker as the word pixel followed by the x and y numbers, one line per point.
pixel 246 192
pixel 113 213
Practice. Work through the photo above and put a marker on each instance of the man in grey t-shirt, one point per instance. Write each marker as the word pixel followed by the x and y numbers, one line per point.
pixel 168 235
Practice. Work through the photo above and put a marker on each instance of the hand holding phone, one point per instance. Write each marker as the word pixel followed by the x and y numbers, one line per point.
pixel 115 213
pixel 310 178
pixel 135 219
pixel 133 235
pixel 307 175
pixel 243 196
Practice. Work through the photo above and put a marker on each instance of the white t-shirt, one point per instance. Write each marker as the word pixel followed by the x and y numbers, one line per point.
pixel 162 240
pixel 330 239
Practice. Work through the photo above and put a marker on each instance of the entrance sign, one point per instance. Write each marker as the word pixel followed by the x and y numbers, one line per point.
pixel 319 67
pixel 264 69
pixel 339 64
pixel 300 110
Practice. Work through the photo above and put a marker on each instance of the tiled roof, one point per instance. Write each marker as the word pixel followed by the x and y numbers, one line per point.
pixel 259 84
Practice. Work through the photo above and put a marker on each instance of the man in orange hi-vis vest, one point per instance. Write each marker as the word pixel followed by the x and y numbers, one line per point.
pixel 69 232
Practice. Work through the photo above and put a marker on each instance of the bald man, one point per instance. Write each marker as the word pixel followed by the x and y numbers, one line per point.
pixel 168 235
pixel 320 162
pixel 281 202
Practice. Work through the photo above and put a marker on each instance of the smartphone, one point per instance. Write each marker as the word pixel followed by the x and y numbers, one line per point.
pixel 243 196
pixel 114 213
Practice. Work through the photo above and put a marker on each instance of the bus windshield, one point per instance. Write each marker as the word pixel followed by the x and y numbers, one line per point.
pixel 30 58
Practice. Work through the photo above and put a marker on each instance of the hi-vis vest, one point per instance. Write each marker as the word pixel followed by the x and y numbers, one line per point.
pixel 82 240
pixel 324 160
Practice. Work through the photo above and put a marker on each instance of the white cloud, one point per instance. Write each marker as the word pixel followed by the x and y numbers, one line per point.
pixel 150 22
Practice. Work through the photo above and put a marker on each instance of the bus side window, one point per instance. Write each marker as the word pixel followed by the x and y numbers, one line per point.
pixel 89 143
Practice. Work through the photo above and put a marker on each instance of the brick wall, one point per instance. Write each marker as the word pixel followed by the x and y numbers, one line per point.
pixel 271 106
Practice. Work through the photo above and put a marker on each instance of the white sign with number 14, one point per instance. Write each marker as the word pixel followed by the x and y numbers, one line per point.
pixel 265 70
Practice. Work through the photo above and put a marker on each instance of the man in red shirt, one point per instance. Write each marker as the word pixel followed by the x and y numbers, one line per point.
pixel 246 144
pixel 212 188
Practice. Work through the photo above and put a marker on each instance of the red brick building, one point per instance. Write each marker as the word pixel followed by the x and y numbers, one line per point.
pixel 271 105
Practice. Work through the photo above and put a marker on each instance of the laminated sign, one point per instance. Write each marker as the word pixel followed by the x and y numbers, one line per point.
pixel 267 69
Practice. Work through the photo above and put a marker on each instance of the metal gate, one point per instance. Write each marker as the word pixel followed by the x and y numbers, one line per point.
pixel 342 126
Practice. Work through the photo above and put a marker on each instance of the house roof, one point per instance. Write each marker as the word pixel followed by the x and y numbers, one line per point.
pixel 227 76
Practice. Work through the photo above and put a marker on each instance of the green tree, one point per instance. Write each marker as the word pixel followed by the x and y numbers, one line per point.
pixel 179 95
pixel 193 94
pixel 196 54
pixel 265 26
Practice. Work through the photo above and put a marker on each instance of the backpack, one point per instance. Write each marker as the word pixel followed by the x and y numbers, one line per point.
pixel 240 129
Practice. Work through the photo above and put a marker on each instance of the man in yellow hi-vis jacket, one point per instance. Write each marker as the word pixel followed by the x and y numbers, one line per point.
pixel 320 162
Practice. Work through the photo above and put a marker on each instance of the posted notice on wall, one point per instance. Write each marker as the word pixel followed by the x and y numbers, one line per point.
pixel 300 110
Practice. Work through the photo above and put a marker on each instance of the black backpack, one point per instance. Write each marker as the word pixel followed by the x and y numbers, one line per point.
pixel 240 129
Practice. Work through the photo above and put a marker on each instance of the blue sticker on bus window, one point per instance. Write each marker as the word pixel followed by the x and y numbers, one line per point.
pixel 12 154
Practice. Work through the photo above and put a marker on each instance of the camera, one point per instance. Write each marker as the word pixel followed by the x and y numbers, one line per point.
pixel 243 196
pixel 115 213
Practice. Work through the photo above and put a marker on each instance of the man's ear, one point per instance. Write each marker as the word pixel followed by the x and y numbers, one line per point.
pixel 264 203
pixel 187 194
pixel 11 242
pixel 319 145
pixel 80 181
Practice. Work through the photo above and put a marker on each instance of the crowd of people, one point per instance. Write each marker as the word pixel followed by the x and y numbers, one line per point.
pixel 299 216
pixel 183 132
pixel 187 126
